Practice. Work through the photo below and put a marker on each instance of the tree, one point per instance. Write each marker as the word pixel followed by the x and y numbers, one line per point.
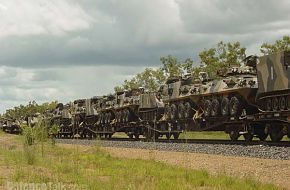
pixel 221 56
pixel 20 112
pixel 171 66
pixel 279 45
pixel 151 79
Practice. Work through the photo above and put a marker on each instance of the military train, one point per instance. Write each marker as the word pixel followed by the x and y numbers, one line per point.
pixel 249 100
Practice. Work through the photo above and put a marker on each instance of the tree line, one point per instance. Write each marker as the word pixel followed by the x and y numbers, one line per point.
pixel 211 60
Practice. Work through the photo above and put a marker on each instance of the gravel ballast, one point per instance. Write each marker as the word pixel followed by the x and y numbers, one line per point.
pixel 258 151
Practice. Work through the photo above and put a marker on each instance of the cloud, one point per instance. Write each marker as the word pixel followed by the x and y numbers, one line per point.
pixel 54 17
pixel 66 49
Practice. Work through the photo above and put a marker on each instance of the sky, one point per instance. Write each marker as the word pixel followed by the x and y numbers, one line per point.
pixel 69 49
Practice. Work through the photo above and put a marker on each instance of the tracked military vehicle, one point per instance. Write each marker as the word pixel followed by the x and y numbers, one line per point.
pixel 205 104
pixel 106 116
pixel 127 111
pixel 273 96
pixel 63 118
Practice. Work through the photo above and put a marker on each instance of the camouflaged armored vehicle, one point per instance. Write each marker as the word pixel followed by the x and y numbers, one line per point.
pixel 205 104
pixel 63 118
pixel 106 116
pixel 273 96
pixel 11 126
pixel 127 105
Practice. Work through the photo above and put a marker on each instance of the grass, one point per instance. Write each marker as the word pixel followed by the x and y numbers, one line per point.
pixel 95 169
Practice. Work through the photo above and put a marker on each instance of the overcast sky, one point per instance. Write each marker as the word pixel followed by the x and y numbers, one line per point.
pixel 68 49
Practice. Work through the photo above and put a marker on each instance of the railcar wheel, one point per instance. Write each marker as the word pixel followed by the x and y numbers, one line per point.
pixel 207 108
pixel 181 110
pixel 126 113
pixel 234 106
pixel 276 133
pixel 215 106
pixel 187 110
pixel 117 117
pixel 130 136
pixel 225 106
pixel 282 103
pixel 275 104
pixel 173 111
pixel 136 136
pixel 234 135
pixel 248 137
pixel 168 135
pixel 175 136
pixel 262 136
pixel 123 113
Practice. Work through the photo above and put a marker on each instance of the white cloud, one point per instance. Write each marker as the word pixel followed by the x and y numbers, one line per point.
pixel 30 17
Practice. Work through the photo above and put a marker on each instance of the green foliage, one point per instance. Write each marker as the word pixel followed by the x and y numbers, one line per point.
pixel 279 45
pixel 221 56
pixel 53 131
pixel 28 134
pixel 20 112
pixel 151 79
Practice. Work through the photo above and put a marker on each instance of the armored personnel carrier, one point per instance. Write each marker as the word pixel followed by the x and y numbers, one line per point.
pixel 11 126
pixel 273 96
pixel 63 118
pixel 106 116
pixel 205 104
pixel 126 111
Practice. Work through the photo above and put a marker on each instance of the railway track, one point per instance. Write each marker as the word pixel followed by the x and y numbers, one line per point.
pixel 265 150
pixel 202 141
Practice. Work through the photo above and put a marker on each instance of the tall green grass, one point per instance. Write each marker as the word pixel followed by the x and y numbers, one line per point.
pixel 95 169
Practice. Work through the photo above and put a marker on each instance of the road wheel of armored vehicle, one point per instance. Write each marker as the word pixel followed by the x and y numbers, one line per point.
pixel 207 108
pixel 127 115
pixel 173 111
pixel 234 106
pixel 109 117
pixel 187 110
pixel 248 137
pixel 225 106
pixel 215 107
pixel 268 104
pixel 275 104
pixel 106 118
pixel 260 131
pixel 288 102
pixel 181 110
pixel 117 117
pixel 167 112
pixel 234 135
pixel 282 103
pixel 276 133
pixel 123 116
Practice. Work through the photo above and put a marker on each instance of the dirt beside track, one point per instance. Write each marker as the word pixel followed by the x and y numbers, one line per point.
pixel 264 170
